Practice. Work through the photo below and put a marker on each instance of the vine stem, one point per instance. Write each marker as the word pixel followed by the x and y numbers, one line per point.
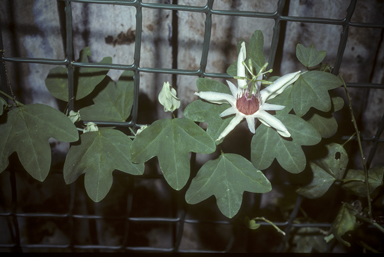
pixel 12 98
pixel 360 147
pixel 370 222
pixel 270 222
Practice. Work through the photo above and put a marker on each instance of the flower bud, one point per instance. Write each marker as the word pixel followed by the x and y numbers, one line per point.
pixel 90 127
pixel 74 116
pixel 168 99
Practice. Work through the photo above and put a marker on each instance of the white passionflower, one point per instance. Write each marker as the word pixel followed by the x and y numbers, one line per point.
pixel 251 104
pixel 168 99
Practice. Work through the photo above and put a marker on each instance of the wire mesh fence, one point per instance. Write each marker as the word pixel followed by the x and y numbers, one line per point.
pixel 12 218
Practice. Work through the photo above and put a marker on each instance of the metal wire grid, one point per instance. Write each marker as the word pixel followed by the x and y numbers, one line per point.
pixel 178 222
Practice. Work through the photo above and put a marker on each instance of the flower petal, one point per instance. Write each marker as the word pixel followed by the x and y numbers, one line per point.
pixel 240 66
pixel 251 123
pixel 273 122
pixel 278 86
pixel 233 88
pixel 218 98
pixel 231 110
pixel 271 107
pixel 234 122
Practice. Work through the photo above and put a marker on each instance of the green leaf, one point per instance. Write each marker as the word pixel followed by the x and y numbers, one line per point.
pixel 227 178
pixel 232 69
pixel 255 52
pixel 308 238
pixel 355 181
pixel 204 84
pixel 3 105
pixel 87 78
pixel 311 90
pixel 308 56
pixel 268 145
pixel 57 83
pixel 171 141
pixel 345 221
pixel 319 185
pixel 326 170
pixel 201 111
pixel 335 161
pixel 27 129
pixel 113 103
pixel 98 155
pixel 284 99
pixel 255 49
pixel 337 103
pixel 324 122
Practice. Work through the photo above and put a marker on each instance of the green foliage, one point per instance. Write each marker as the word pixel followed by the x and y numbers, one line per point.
pixel 324 122
pixel 204 84
pixel 201 111
pixel 255 49
pixel 307 239
pixel 3 105
pixel 98 155
pixel 345 221
pixel 114 102
pixel 326 170
pixel 87 78
pixel 308 56
pixel 171 141
pixel 290 154
pixel 307 115
pixel 311 90
pixel 227 178
pixel 26 131
pixel 355 181
pixel 255 52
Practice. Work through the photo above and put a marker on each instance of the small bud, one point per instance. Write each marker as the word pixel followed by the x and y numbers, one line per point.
pixel 168 99
pixel 90 127
pixel 74 116
pixel 141 129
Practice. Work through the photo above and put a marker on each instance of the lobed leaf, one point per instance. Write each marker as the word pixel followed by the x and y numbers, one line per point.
pixel 326 170
pixel 308 56
pixel 268 145
pixel 114 102
pixel 311 90
pixel 285 99
pixel 98 155
pixel 86 79
pixel 171 141
pixel 3 104
pixel 324 122
pixel 355 181
pixel 345 221
pixel 26 131
pixel 307 239
pixel 227 178
pixel 204 84
pixel 255 49
pixel 201 111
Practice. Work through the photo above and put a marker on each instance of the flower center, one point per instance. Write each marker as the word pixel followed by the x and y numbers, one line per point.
pixel 247 105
